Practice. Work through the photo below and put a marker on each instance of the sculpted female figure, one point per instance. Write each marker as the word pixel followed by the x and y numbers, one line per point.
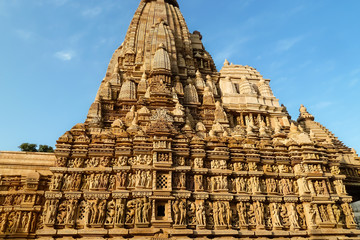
pixel 176 211
pixel 241 209
pixel 182 207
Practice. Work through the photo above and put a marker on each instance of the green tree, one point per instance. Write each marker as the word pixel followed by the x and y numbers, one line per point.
pixel 28 147
pixel 45 148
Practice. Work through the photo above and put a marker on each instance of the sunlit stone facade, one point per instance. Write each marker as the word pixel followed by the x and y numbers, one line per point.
pixel 172 148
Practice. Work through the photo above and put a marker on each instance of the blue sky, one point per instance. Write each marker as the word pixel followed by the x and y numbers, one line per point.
pixel 54 54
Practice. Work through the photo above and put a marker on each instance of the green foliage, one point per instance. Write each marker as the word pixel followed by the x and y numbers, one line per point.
pixel 45 148
pixel 30 147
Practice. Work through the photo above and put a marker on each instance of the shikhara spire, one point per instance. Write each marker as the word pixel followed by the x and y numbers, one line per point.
pixel 173 148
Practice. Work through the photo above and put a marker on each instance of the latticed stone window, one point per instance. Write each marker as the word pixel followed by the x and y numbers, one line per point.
pixel 161 181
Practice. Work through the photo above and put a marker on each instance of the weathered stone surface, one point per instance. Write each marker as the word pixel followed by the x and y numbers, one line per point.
pixel 173 149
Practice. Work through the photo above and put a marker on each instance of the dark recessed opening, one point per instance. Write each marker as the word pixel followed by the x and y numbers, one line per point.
pixel 161 211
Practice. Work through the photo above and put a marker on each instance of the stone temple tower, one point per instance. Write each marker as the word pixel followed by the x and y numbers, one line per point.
pixel 172 148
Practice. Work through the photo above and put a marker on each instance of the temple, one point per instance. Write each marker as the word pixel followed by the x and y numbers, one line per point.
pixel 172 148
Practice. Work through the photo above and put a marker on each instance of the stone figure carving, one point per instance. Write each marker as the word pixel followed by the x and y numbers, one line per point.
pixel 303 185
pixel 337 214
pixel 276 215
pixel 138 211
pixel 239 166
pixel 324 214
pixel 78 162
pixel 301 213
pixel 251 214
pixel 313 214
pixel 198 163
pixel 335 170
pixel 61 213
pixel 13 222
pixel 240 183
pixel 179 211
pixel 120 211
pixel 340 187
pixel 85 182
pixel 286 186
pixel 70 211
pixel 254 185
pixel 228 213
pixel 130 214
pixel 8 200
pixel 50 208
pixel 200 215
pixel 96 212
pixel 241 210
pixel 259 213
pixel 55 184
pixel 271 186
pixel 252 166
pixel 293 217
pixel 101 212
pixel 220 214
pixel 284 215
pixel 179 180
pixel 61 161
pixel 180 161
pixel 221 208
pixel 219 183
pixel 182 207
pixel 191 213
pixel 121 161
pixel 3 220
pixel 176 212
pixel 218 164
pixel 131 180
pixel 110 212
pixel 25 221
pixel 349 214
pixel 93 162
pixel 121 180
pixel 199 182
pixel 163 157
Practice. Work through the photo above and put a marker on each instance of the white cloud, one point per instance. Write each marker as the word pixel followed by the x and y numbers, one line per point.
pixel 65 55
pixel 92 12
pixel 286 44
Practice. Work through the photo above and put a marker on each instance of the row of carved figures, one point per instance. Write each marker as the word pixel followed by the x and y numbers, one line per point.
pixel 104 161
pixel 101 181
pixel 257 185
pixel 92 213
pixel 17 199
pixel 18 222
pixel 256 214
pixel 144 179
pixel 195 163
